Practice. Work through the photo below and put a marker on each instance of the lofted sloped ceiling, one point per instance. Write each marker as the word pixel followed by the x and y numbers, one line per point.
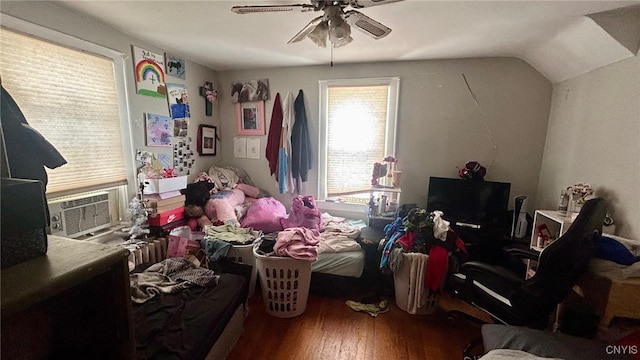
pixel 561 39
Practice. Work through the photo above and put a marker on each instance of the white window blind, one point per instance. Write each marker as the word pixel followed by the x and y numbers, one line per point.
pixel 70 97
pixel 359 122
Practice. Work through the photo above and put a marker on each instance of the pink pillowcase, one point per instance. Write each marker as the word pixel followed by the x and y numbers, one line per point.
pixel 265 215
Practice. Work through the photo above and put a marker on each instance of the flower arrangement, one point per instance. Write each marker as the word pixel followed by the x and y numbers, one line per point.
pixel 210 93
pixel 580 192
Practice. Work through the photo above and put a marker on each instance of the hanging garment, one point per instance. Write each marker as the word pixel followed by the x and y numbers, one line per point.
pixel 436 268
pixel 300 144
pixel 273 138
pixel 417 298
pixel 285 181
pixel 27 151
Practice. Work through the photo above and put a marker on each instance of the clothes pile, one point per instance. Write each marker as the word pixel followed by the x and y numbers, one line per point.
pixel 420 232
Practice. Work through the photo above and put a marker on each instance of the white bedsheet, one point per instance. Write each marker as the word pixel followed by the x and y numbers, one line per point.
pixel 349 263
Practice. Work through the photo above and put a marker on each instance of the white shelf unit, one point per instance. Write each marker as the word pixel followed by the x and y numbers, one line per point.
pixel 556 223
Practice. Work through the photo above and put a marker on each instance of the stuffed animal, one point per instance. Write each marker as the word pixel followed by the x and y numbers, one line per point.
pixel 473 171
pixel 198 220
pixel 208 205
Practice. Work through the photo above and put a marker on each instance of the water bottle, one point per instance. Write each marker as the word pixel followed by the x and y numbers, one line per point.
pixel 563 204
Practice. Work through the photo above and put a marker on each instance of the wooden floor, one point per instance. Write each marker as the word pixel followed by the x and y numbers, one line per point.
pixel 329 329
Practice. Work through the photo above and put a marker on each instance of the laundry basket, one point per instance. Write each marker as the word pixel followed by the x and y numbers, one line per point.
pixel 284 282
pixel 407 291
pixel 243 254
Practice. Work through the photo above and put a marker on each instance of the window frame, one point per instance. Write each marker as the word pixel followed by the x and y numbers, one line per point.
pixel 391 126
pixel 119 68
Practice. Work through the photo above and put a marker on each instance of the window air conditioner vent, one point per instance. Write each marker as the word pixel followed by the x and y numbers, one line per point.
pixel 79 215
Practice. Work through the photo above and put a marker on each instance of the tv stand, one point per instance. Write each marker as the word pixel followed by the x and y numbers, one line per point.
pixel 483 242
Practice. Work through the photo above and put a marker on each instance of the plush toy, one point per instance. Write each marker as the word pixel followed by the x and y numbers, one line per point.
pixel 221 206
pixel 473 171
pixel 208 205
pixel 197 218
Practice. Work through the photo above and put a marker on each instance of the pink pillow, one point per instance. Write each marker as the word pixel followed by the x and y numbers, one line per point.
pixel 265 215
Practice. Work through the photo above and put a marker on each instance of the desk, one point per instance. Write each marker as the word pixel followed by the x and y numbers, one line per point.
pixel 73 302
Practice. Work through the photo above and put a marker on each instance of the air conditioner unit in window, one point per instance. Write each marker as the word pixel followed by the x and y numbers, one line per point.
pixel 74 216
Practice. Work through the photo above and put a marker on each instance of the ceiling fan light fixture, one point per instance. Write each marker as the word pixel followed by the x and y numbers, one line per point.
pixel 319 34
pixel 335 24
pixel 338 30
pixel 342 42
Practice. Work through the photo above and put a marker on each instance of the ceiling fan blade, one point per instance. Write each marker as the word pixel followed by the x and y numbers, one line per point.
pixel 306 30
pixel 366 24
pixel 250 9
pixel 359 4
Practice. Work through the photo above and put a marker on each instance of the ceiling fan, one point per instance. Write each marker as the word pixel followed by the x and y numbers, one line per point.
pixel 335 23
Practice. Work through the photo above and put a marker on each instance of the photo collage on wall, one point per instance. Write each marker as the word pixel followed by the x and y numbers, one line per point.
pixel 169 131
pixel 183 156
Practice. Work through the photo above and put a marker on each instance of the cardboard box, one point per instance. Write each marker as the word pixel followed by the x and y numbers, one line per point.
pixel 166 208
pixel 153 202
pixel 166 217
pixel 157 186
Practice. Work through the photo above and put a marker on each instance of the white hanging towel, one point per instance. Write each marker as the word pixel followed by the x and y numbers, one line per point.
pixel 417 263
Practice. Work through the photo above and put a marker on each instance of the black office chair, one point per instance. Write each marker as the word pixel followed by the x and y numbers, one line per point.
pixel 509 298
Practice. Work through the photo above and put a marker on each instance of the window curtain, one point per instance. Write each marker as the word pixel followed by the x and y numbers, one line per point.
pixel 69 96
pixel 356 136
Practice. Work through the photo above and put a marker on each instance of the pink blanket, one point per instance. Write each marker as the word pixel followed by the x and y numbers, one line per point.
pixel 299 243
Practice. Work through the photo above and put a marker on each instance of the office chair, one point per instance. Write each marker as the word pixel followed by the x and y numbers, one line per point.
pixel 509 298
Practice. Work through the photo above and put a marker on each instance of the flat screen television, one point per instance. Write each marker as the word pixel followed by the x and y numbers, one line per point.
pixel 470 203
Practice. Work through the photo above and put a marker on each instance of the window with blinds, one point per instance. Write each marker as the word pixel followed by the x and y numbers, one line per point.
pixel 358 123
pixel 70 97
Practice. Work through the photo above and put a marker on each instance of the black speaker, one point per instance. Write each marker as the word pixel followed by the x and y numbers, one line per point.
pixel 24 221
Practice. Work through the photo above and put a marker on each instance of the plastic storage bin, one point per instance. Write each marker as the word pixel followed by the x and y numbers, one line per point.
pixel 285 284
pixel 428 302
pixel 244 254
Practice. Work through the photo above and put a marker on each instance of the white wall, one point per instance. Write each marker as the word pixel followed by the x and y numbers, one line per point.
pixel 55 17
pixel 594 136
pixel 439 126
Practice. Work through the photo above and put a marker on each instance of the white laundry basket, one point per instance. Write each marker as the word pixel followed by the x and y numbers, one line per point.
pixel 284 282
pixel 427 303
pixel 243 254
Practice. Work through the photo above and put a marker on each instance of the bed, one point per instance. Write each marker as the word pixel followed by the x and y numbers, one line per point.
pixel 194 322
pixel 351 273
pixel 333 273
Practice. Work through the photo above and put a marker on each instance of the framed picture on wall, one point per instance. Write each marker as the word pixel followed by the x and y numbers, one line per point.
pixel 207 140
pixel 250 118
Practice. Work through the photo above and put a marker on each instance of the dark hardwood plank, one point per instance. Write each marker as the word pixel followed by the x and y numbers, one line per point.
pixel 329 329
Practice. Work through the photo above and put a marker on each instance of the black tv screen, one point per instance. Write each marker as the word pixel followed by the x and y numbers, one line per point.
pixel 470 202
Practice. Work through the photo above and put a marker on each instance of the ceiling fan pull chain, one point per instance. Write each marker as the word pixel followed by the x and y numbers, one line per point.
pixel 331 59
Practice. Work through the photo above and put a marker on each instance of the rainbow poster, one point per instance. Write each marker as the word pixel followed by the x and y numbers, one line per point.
pixel 149 72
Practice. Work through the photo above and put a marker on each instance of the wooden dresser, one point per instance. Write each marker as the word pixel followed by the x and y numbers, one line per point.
pixel 73 302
